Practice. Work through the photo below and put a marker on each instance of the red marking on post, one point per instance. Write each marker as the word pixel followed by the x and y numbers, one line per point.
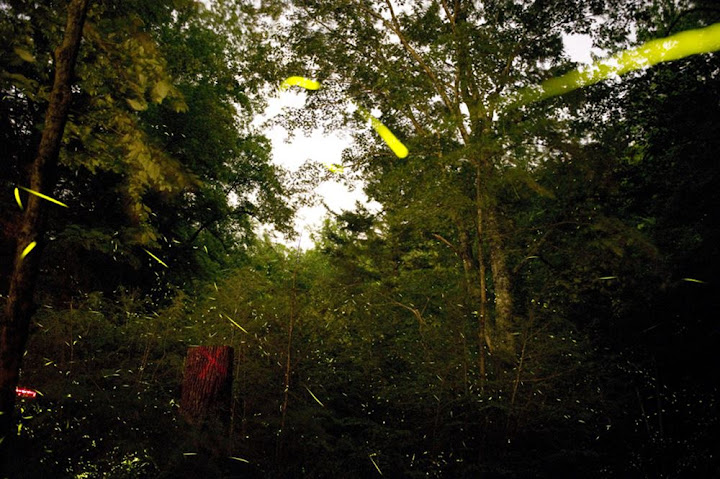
pixel 212 363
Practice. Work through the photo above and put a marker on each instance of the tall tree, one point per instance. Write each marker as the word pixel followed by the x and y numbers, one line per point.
pixel 19 306
pixel 439 72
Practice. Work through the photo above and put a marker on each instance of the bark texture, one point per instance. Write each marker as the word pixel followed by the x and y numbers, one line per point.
pixel 504 323
pixel 15 321
pixel 207 383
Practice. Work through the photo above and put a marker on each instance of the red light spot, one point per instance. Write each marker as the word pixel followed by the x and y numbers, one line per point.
pixel 25 393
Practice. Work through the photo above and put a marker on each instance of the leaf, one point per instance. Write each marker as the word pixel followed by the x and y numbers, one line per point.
pixel 24 83
pixel 24 54
pixel 137 105
pixel 180 106
pixel 160 91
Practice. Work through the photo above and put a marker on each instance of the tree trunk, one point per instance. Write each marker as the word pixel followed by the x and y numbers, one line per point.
pixel 476 292
pixel 207 384
pixel 19 306
pixel 486 221
pixel 501 283
pixel 483 336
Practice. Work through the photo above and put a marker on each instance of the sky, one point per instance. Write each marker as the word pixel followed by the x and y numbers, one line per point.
pixel 328 150
pixel 318 147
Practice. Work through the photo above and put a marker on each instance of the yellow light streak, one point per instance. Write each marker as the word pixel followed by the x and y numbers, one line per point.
pixel 674 47
pixel 45 197
pixel 236 324
pixel 395 145
pixel 390 140
pixel 301 82
pixel 17 198
pixel 27 249
pixel 156 258
pixel 388 137
pixel 374 463
pixel 313 396
pixel 335 168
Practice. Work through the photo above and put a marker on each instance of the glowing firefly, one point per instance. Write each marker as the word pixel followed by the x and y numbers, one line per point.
pixel 27 249
pixel 335 168
pixel 313 396
pixel 236 324
pixel 301 82
pixel 674 47
pixel 156 258
pixel 375 463
pixel 17 198
pixel 391 140
pixel 36 193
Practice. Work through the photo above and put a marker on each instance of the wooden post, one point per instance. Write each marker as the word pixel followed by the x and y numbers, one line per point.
pixel 207 384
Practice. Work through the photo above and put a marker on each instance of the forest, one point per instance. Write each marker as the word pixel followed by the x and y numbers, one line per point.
pixel 533 298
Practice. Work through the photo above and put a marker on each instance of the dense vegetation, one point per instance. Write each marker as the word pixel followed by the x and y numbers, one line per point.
pixel 535 298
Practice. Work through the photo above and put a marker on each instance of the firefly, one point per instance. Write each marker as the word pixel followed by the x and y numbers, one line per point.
pixel 45 197
pixel 301 82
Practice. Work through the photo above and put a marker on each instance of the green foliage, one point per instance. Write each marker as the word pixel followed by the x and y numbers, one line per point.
pixel 105 369
pixel 155 154
pixel 368 352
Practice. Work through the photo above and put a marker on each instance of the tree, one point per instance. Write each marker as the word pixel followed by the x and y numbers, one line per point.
pixel 439 73
pixel 19 306
pixel 133 156
pixel 175 164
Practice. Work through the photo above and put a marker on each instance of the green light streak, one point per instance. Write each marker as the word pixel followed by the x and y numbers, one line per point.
pixel 674 47
pixel 314 397
pixel 375 463
pixel 156 258
pixel 236 324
